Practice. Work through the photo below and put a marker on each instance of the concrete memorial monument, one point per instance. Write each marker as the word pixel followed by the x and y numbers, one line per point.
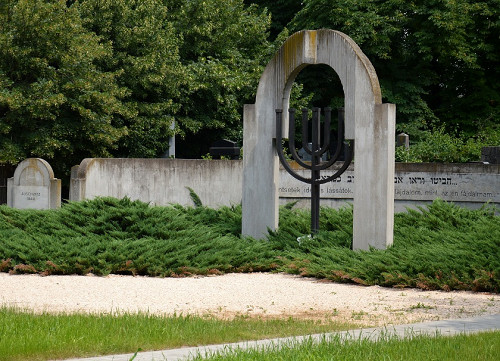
pixel 368 122
pixel 34 186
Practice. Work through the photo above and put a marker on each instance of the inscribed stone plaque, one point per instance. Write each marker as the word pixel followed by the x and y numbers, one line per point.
pixel 418 186
pixel 34 186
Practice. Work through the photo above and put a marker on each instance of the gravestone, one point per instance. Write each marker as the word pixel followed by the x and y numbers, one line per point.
pixel 34 186
pixel 403 141
pixel 490 155
pixel 226 148
pixel 6 172
pixel 306 156
pixel 368 122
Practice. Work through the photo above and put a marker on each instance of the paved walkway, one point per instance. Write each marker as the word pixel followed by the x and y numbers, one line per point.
pixel 448 328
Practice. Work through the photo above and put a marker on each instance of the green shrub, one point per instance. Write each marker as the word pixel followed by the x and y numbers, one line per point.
pixel 439 146
pixel 441 246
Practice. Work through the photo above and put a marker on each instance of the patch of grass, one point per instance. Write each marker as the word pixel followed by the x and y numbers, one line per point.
pixel 480 347
pixel 29 336
pixel 420 306
pixel 441 246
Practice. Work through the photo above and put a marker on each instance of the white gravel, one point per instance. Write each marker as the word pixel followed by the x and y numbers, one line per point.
pixel 255 294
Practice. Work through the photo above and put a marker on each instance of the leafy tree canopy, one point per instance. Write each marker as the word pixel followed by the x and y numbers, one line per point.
pixel 437 60
pixel 55 102
pixel 95 78
pixel 145 51
pixel 224 51
pixel 282 12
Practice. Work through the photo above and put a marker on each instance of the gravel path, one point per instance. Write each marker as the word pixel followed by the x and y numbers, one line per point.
pixel 255 294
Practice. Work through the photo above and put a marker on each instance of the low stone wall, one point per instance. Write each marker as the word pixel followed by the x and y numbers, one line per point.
pixel 219 182
pixel 415 184
pixel 158 181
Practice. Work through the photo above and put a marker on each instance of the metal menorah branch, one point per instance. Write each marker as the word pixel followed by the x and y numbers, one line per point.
pixel 316 150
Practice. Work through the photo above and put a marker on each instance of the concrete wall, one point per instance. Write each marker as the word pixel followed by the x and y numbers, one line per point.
pixel 219 182
pixel 415 184
pixel 158 181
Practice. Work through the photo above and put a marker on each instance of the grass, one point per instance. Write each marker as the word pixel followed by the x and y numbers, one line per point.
pixel 442 246
pixel 480 347
pixel 28 336
pixel 37 337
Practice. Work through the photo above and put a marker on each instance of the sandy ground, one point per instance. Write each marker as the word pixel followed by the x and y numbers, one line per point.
pixel 255 294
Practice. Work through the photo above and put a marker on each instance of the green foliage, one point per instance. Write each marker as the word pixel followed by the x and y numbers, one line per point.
pixel 438 61
pixel 438 146
pixel 440 247
pixel 194 197
pixel 412 347
pixel 224 50
pixel 282 12
pixel 54 101
pixel 96 78
pixel 145 50
pixel 99 78
pixel 120 236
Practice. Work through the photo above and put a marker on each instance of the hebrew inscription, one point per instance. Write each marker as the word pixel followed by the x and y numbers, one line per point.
pixel 459 187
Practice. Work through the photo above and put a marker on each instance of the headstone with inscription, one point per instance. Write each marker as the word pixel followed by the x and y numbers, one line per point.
pixel 34 186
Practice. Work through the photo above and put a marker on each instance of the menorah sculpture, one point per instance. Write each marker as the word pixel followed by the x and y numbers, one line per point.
pixel 316 150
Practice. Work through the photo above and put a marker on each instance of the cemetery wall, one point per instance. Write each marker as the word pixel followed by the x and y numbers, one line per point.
pixel 415 184
pixel 218 182
pixel 160 181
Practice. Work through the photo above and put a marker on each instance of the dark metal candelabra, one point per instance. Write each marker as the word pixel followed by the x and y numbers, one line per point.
pixel 316 150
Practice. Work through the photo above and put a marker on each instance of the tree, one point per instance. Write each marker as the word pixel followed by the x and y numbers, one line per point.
pixel 437 60
pixel 145 51
pixel 108 77
pixel 282 12
pixel 55 102
pixel 224 50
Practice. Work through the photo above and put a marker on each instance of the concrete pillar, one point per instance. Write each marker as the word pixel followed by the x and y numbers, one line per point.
pixel 373 218
pixel 260 176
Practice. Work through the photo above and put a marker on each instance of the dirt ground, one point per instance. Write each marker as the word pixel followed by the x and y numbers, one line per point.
pixel 254 294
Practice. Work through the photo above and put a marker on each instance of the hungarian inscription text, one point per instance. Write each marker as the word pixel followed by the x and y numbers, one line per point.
pixel 460 187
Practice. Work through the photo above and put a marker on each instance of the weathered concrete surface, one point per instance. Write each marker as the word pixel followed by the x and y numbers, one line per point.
pixel 367 121
pixel 163 181
pixel 34 186
pixel 260 176
pixel 415 184
pixel 158 181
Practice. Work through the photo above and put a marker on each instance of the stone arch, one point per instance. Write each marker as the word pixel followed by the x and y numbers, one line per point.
pixel 369 122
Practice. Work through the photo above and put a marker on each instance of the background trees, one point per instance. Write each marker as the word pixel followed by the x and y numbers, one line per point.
pixel 96 78
pixel 144 53
pixel 224 51
pixel 55 102
pixel 437 60
pixel 107 78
